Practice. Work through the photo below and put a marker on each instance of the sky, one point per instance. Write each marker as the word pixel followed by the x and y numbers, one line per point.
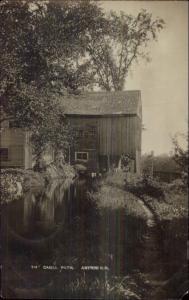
pixel 164 81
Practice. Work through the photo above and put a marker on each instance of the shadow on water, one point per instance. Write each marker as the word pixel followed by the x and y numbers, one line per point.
pixel 49 235
pixel 45 233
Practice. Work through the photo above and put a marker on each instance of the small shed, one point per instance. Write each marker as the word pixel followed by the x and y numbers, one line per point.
pixel 15 148
pixel 106 127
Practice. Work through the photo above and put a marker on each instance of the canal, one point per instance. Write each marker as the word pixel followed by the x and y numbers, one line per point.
pixel 57 243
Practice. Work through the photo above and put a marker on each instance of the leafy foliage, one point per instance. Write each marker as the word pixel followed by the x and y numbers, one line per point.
pixel 121 41
pixel 51 48
pixel 11 186
pixel 42 43
pixel 163 167
pixel 41 46
pixel 145 185
pixel 181 157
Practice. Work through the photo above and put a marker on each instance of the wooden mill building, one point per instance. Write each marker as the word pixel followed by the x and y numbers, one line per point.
pixel 106 125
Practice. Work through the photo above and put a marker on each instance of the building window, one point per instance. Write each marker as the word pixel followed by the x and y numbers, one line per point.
pixel 4 154
pixel 13 124
pixel 81 156
pixel 78 133
pixel 90 133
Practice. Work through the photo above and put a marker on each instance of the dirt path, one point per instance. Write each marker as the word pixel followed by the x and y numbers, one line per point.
pixel 152 252
pixel 150 217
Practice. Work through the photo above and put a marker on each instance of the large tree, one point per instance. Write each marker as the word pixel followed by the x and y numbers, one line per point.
pixel 123 39
pixel 53 47
pixel 41 49
pixel 42 44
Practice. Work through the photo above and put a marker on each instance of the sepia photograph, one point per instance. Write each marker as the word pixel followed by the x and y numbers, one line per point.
pixel 94 149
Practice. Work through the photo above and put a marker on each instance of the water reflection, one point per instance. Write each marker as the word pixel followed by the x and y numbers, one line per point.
pixel 62 226
pixel 63 218
pixel 56 226
pixel 39 209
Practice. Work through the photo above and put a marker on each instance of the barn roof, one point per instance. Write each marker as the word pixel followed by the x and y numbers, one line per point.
pixel 103 103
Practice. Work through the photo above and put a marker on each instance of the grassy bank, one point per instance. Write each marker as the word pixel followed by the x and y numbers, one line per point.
pixel 118 197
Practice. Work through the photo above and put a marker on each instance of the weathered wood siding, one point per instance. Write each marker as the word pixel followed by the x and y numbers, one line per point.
pixel 116 135
pixel 17 141
pixel 86 142
pixel 112 136
pixel 14 140
pixel 19 150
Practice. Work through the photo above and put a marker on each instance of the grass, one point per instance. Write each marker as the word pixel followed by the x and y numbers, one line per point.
pixel 113 198
pixel 174 206
pixel 112 195
pixel 119 194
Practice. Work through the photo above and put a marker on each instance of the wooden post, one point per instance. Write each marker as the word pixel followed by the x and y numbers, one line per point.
pixel 152 165
pixel 108 162
pixel 69 155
